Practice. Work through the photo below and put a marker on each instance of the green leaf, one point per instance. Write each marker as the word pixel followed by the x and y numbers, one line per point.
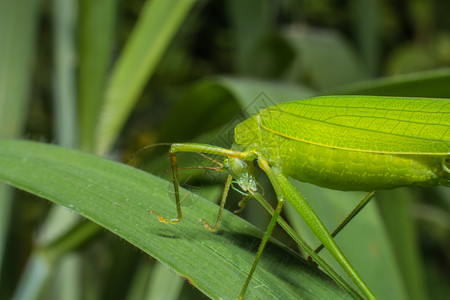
pixel 366 16
pixel 18 24
pixel 96 32
pixel 118 197
pixel 250 22
pixel 155 28
pixel 324 58
pixel 395 207
pixel 64 87
pixel 421 84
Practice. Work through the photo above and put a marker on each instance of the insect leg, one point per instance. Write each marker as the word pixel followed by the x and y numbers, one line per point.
pixel 176 186
pixel 202 148
pixel 248 196
pixel 309 250
pixel 222 205
pixel 196 148
pixel 243 203
pixel 354 212
pixel 315 224
pixel 264 241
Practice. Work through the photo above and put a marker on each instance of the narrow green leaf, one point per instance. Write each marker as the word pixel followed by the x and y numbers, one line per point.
pixel 44 262
pixel 118 197
pixel 96 31
pixel 157 25
pixel 18 21
pixel 395 207
pixel 64 87
pixel 18 24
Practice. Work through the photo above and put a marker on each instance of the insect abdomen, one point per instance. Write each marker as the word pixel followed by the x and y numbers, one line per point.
pixel 353 170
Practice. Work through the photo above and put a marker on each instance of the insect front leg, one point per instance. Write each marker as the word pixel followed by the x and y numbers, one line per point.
pixel 195 148
pixel 176 186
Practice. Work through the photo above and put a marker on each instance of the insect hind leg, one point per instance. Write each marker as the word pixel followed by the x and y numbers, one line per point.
pixel 352 214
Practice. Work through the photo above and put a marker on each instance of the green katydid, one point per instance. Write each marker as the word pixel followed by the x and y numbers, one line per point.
pixel 357 143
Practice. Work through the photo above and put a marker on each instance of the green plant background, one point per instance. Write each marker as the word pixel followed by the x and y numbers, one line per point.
pixel 108 77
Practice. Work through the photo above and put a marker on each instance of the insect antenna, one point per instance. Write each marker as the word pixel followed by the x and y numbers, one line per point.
pixel 210 159
pixel 219 167
pixel 145 148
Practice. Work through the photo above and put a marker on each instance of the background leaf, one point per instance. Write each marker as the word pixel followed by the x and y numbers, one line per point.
pixel 96 25
pixel 18 21
pixel 155 29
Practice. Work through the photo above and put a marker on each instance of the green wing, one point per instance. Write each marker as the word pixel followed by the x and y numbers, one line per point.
pixel 365 123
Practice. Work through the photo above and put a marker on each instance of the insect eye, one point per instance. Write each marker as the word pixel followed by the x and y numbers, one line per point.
pixel 226 163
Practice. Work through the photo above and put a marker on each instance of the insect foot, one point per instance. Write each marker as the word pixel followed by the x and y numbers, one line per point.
pixel 165 220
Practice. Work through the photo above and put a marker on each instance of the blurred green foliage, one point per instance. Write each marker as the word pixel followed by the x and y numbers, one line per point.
pixel 110 77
